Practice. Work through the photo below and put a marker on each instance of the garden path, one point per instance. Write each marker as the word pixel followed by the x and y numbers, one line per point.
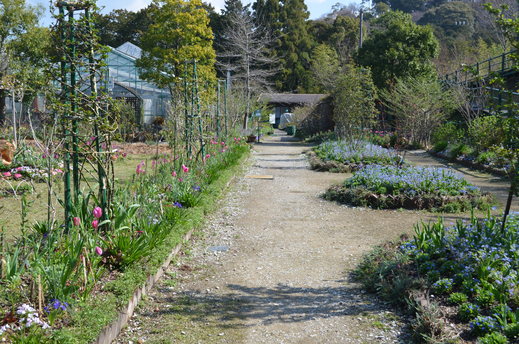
pixel 284 278
pixel 272 265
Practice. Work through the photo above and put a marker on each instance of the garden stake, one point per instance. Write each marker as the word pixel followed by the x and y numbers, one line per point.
pixel 225 107
pixel 218 109
pixel 66 155
pixel 73 101
pixel 195 97
pixel 85 274
pixel 40 295
pixel 93 86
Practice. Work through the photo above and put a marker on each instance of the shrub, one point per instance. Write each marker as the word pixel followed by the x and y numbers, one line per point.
pixel 447 133
pixel 440 146
pixel 486 158
pixel 484 271
pixel 468 311
pixel 484 297
pixel 442 286
pixel 512 331
pixel 493 338
pixel 485 132
pixel 458 298
pixel 482 325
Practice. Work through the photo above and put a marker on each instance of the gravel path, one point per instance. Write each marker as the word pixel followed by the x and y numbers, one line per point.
pixel 272 265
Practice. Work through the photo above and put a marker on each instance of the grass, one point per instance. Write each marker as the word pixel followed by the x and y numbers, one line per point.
pixel 10 207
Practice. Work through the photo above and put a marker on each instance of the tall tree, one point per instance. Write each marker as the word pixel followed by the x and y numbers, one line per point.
pixel 16 18
pixel 451 20
pixel 296 46
pixel 120 26
pixel 398 48
pixel 180 32
pixel 404 5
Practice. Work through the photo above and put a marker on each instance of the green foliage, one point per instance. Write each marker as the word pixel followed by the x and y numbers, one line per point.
pixel 442 286
pixel 397 49
pixel 354 102
pixel 450 20
pixel 356 153
pixel 419 106
pixel 121 26
pixel 493 338
pixel 458 298
pixel 404 5
pixel 296 45
pixel 448 132
pixel 184 32
pixel 486 132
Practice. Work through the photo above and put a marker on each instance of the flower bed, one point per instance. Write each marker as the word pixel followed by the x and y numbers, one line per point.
pixel 348 156
pixel 92 270
pixel 463 279
pixel 390 187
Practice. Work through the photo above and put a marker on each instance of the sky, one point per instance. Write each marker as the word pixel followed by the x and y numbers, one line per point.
pixel 316 7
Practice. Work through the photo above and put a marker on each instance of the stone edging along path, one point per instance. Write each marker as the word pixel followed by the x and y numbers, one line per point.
pixel 110 332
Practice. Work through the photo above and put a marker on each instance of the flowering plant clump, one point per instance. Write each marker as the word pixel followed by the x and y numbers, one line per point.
pixel 354 154
pixel 475 267
pixel 25 318
pixel 411 180
pixel 409 187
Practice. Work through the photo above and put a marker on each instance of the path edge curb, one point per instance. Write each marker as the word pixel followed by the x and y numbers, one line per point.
pixel 112 331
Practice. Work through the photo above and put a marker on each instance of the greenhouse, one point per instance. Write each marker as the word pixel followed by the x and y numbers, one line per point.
pixel 148 100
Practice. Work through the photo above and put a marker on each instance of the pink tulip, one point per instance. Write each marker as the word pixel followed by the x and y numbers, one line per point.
pixel 19 168
pixel 76 221
pixel 140 168
pixel 180 180
pixel 6 174
pixel 174 174
pixel 97 212
pixel 207 156
pixel 99 250
pixel 17 176
pixel 185 168
pixel 95 224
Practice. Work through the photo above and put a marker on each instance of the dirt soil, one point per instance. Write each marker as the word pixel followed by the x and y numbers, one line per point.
pixel 272 266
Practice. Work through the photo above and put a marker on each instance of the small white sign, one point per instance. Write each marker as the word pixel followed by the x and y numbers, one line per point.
pixel 272 118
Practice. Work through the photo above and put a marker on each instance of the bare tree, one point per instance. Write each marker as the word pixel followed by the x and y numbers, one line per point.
pixel 246 56
pixel 487 20
pixel 470 101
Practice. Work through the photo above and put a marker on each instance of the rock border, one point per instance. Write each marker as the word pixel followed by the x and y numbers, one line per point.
pixel 318 164
pixel 365 198
pixel 112 331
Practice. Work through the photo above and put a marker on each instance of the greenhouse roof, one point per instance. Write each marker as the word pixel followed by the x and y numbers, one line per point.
pixel 130 49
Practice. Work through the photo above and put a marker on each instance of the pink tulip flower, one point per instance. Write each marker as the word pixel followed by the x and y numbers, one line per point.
pixel 97 212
